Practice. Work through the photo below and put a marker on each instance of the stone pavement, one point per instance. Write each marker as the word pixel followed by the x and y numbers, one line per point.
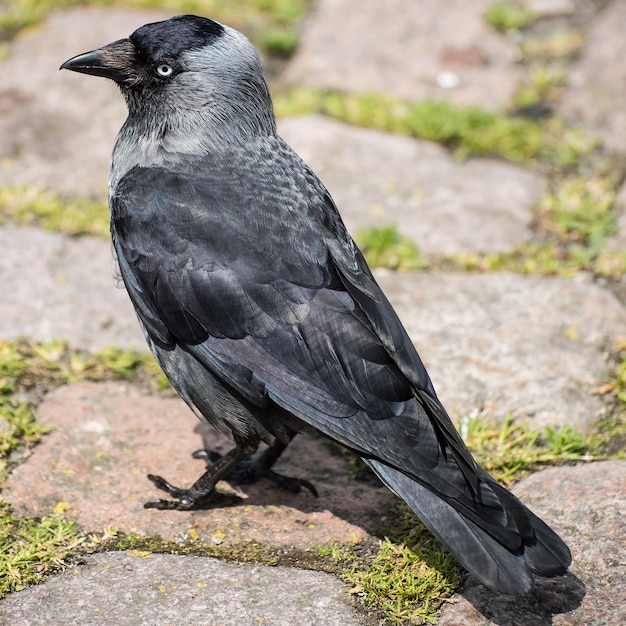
pixel 493 343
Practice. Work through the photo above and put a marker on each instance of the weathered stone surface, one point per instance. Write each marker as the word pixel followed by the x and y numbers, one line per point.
pixel 597 88
pixel 444 205
pixel 412 50
pixel 119 589
pixel 550 8
pixel 57 129
pixel 62 287
pixel 501 342
pixel 107 437
pixel 586 504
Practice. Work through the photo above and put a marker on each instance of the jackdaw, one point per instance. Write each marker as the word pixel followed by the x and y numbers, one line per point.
pixel 260 308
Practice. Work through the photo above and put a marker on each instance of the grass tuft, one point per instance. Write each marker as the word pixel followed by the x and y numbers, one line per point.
pixel 407 580
pixel 511 450
pixel 580 210
pixel 33 548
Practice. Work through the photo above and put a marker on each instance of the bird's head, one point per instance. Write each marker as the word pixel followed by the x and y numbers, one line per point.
pixel 186 74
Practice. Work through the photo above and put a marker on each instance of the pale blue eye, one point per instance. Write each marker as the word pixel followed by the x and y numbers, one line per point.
pixel 165 70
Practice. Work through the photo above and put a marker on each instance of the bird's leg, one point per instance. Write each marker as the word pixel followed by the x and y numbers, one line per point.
pixel 202 493
pixel 252 469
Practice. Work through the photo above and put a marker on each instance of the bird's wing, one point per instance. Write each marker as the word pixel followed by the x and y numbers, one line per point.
pixel 256 276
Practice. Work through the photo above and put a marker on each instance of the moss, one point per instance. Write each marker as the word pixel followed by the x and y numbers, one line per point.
pixel 542 259
pixel 505 16
pixel 243 552
pixel 281 42
pixel 71 216
pixel 468 130
pixel 386 247
pixel 408 580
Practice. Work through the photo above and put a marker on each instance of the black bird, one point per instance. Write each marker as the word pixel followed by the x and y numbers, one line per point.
pixel 260 308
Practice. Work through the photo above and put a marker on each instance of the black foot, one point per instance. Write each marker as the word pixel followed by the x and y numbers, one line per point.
pixel 185 500
pixel 202 493
pixel 253 469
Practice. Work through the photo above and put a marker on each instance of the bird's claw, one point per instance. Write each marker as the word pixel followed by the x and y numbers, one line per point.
pixel 185 500
pixel 168 505
pixel 163 485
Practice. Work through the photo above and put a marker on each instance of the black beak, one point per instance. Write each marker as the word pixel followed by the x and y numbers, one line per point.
pixel 115 61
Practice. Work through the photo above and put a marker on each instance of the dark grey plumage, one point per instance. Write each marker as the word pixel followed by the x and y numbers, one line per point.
pixel 259 306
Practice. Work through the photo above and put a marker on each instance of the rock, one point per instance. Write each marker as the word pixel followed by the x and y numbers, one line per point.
pixel 551 8
pixel 121 589
pixel 108 436
pixel 412 50
pixel 586 504
pixel 498 343
pixel 444 205
pixel 62 287
pixel 597 89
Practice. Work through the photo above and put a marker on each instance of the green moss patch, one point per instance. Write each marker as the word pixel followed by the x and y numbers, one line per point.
pixel 410 577
pixel 71 216
pixel 468 130
pixel 386 247
pixel 505 16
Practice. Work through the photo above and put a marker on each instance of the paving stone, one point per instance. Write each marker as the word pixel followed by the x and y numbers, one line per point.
pixel 57 129
pixel 446 206
pixel 551 8
pixel 499 342
pixel 120 589
pixel 107 437
pixel 411 50
pixel 62 287
pixel 586 504
pixel 597 88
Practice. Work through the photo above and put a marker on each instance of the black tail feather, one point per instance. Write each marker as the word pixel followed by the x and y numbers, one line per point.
pixel 473 546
